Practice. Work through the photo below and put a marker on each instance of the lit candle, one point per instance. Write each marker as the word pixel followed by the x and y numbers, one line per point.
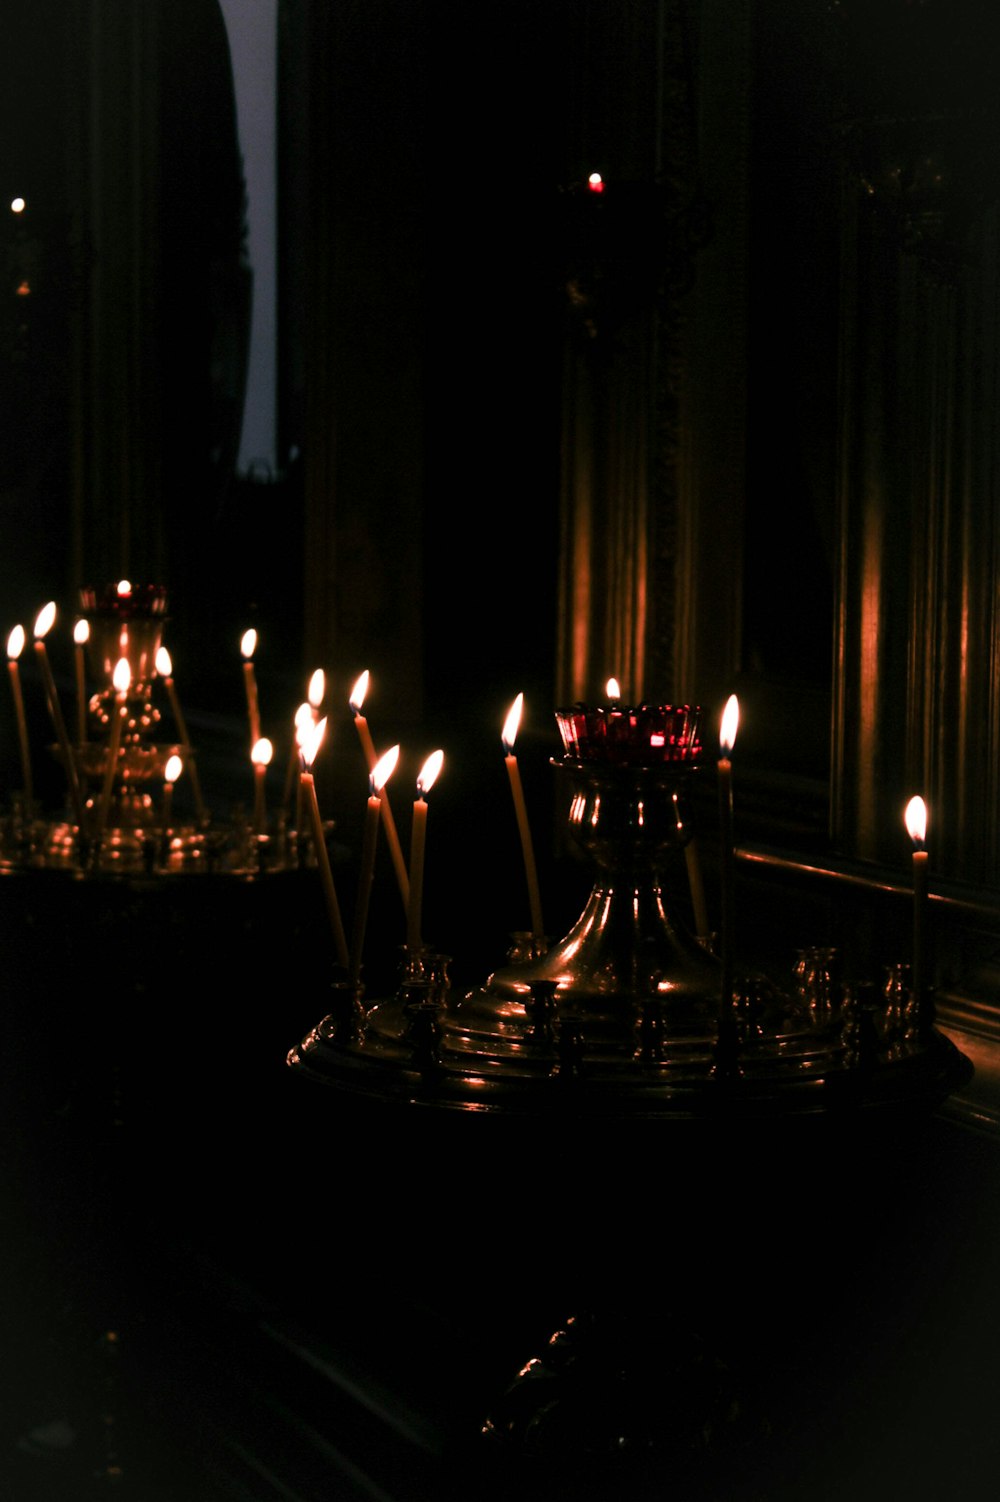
pixel 171 771
pixel 356 700
pixel 613 690
pixel 121 678
pixel 43 624
pixel 379 776
pixel 81 635
pixel 165 668
pixel 310 745
pixel 508 736
pixel 915 818
pixel 248 645
pixel 261 757
pixel 305 718
pixel 316 690
pixel 727 739
pixel 305 722
pixel 428 776
pixel 15 646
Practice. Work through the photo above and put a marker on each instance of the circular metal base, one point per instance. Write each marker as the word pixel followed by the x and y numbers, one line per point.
pixel 476 1054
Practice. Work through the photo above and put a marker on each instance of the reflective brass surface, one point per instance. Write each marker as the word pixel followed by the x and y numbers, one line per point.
pixel 623 1017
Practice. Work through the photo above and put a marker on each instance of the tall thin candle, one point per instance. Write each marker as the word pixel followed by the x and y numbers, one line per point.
pixel 508 736
pixel 248 645
pixel 171 771
pixel 165 668
pixel 356 700
pixel 81 635
pixel 43 624
pixel 414 912
pixel 915 818
pixel 122 680
pixel 305 724
pixel 261 757
pixel 310 746
pixel 727 739
pixel 380 775
pixel 15 646
pixel 305 718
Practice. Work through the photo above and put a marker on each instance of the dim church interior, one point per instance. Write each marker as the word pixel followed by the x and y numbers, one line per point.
pixel 726 425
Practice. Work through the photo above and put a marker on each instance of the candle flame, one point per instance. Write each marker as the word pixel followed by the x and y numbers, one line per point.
pixel 304 722
pixel 512 724
pixel 15 642
pixel 429 771
pixel 613 689
pixel 730 724
pixel 262 752
pixel 311 740
pixel 248 643
pixel 164 666
pixel 317 688
pixel 45 618
pixel 81 633
pixel 384 768
pixel 358 692
pixel 124 587
pixel 173 768
pixel 122 676
pixel 916 820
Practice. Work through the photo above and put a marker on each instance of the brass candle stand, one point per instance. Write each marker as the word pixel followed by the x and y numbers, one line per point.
pixel 580 1056
pixel 123 819
pixel 626 1016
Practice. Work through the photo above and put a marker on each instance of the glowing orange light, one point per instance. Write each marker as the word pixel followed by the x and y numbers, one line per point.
pixel 311 740
pixel 730 724
pixel 511 724
pixel 17 205
pixel 429 771
pixel 262 752
pixel 173 768
pixel 45 618
pixel 612 689
pixel 358 692
pixel 248 643
pixel 163 664
pixel 384 768
pixel 124 588
pixel 81 633
pixel 317 688
pixel 15 642
pixel 916 820
pixel 304 722
pixel 24 289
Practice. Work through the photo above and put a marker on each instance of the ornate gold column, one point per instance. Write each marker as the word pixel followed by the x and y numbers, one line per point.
pixel 647 492
pixel 917 682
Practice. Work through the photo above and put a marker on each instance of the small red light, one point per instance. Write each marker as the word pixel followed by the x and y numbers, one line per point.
pixel 24 290
pixel 595 182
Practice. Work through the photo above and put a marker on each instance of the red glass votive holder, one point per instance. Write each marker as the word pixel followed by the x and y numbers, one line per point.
pixel 124 623
pixel 646 735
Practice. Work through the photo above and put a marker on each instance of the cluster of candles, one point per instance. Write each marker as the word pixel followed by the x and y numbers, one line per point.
pixel 611 734
pixel 309 730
